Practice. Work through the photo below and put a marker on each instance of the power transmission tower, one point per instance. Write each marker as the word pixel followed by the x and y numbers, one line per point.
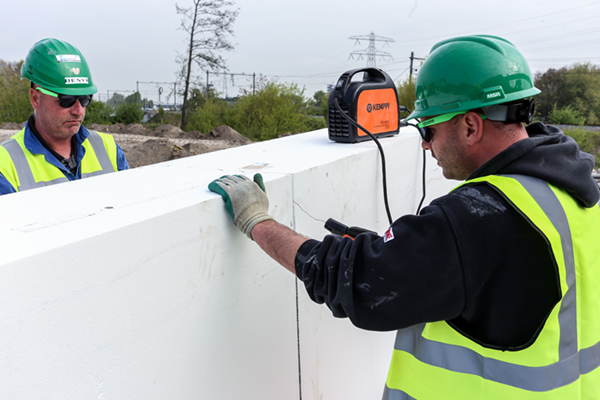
pixel 371 52
pixel 231 75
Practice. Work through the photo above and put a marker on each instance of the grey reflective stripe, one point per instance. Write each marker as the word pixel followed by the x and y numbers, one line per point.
pixel 26 179
pixel 567 316
pixel 572 363
pixel 101 154
pixel 394 394
pixel 464 360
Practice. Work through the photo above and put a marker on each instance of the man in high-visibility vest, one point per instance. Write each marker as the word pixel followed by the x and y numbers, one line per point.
pixel 494 288
pixel 54 146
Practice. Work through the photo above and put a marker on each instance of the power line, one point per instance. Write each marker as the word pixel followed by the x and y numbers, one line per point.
pixel 231 75
pixel 412 57
pixel 160 90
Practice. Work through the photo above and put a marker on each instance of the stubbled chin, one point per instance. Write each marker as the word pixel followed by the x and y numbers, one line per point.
pixel 73 127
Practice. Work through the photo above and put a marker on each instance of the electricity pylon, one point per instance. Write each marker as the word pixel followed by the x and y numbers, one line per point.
pixel 371 52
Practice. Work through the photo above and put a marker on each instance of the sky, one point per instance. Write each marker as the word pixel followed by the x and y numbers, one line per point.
pixel 133 45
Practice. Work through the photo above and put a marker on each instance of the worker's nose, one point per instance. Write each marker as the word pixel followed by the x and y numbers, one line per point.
pixel 77 109
pixel 425 145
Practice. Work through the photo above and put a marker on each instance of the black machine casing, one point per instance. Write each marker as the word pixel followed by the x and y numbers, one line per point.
pixel 372 103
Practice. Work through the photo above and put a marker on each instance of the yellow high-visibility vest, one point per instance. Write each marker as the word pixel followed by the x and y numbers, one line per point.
pixel 434 361
pixel 25 170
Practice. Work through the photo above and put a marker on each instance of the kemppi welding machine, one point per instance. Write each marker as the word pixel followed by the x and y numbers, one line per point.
pixel 371 103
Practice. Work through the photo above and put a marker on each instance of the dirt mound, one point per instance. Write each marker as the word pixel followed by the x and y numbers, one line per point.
pixel 227 133
pixel 115 128
pixel 154 151
pixel 137 129
pixel 189 149
pixel 148 152
pixel 196 135
pixel 98 127
pixel 12 126
pixel 143 146
pixel 169 131
pixel 172 132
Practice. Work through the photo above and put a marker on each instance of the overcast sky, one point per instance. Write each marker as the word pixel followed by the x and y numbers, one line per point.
pixel 301 41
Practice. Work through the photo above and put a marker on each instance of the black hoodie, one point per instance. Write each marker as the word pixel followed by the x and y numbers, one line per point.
pixel 469 258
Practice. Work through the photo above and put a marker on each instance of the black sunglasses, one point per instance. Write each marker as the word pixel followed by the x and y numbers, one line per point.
pixel 67 101
pixel 426 134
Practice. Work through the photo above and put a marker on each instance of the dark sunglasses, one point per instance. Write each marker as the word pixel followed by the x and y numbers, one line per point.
pixel 425 134
pixel 423 126
pixel 67 101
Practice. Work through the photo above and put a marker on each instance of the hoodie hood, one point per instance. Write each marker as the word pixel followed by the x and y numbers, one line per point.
pixel 552 156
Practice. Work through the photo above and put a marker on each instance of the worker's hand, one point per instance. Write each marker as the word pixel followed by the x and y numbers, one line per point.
pixel 244 199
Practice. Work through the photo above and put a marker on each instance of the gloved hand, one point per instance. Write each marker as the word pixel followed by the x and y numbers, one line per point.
pixel 244 199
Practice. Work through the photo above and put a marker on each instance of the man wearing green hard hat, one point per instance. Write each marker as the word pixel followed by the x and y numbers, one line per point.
pixel 494 288
pixel 54 146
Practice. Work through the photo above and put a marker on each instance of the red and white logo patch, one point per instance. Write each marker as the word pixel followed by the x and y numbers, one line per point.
pixel 388 235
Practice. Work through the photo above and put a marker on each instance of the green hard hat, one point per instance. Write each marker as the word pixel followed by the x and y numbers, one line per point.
pixel 59 67
pixel 470 72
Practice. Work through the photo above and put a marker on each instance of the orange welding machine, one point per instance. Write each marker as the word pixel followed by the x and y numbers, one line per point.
pixel 369 105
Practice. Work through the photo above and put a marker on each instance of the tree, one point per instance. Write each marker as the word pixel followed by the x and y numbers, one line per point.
pixel 147 103
pixel 128 114
pixel 197 98
pixel 583 91
pixel 406 94
pixel 14 102
pixel 552 84
pixel 208 24
pixel 97 113
pixel 321 102
pixel 573 89
pixel 116 100
pixel 135 98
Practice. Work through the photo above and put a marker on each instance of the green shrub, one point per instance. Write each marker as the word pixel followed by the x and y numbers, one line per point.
pixel 211 114
pixel 14 102
pixel 313 124
pixel 162 118
pixel 128 114
pixel 273 110
pixel 566 115
pixel 406 95
pixel 97 113
pixel 588 141
pixel 318 105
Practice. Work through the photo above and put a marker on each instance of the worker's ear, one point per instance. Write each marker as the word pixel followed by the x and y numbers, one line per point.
pixel 34 97
pixel 474 126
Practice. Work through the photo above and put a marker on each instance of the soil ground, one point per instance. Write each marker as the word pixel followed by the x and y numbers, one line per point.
pixel 143 146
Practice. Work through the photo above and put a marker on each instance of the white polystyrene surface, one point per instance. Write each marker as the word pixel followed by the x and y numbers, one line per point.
pixel 137 285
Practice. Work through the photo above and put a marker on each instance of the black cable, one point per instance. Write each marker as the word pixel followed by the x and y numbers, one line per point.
pixel 383 169
pixel 298 339
pixel 404 123
pixel 384 179
pixel 424 186
pixel 424 170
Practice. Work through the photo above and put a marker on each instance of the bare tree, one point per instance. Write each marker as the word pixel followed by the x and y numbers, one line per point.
pixel 208 24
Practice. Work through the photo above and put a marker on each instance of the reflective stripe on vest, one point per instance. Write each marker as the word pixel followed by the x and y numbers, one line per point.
pixel 526 381
pixel 101 154
pixel 26 178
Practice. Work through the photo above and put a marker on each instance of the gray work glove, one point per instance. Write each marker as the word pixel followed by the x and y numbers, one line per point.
pixel 244 199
